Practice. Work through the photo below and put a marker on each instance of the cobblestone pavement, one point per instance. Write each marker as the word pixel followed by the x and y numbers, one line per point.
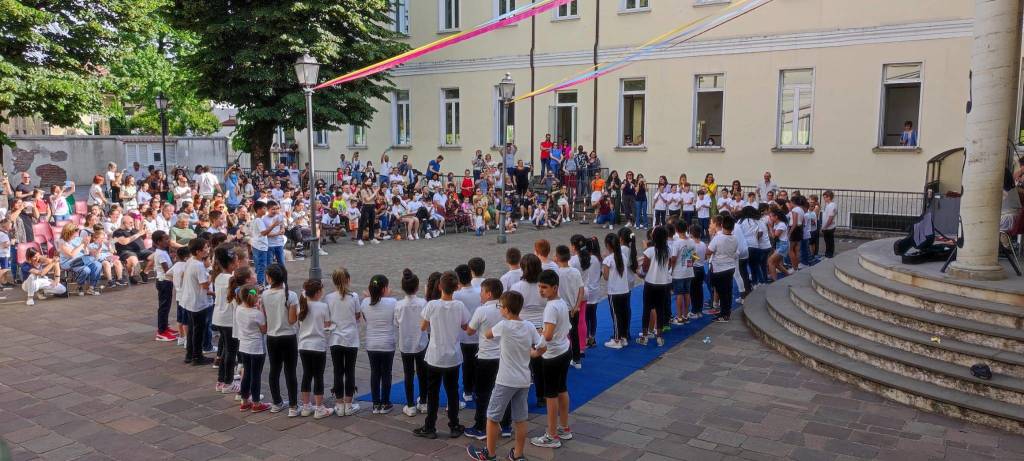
pixel 83 379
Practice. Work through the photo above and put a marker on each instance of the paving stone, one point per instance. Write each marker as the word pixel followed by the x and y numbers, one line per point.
pixel 200 452
pixel 850 448
pixel 827 430
pixel 46 443
pixel 807 454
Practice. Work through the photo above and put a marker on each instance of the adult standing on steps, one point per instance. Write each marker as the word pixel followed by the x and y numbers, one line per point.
pixel 990 113
pixel 367 212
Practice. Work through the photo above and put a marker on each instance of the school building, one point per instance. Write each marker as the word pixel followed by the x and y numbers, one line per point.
pixel 816 91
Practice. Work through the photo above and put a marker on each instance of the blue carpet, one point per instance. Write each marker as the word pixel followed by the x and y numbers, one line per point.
pixel 602 367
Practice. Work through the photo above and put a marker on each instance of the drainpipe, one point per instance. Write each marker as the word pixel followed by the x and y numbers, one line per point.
pixel 597 40
pixel 533 83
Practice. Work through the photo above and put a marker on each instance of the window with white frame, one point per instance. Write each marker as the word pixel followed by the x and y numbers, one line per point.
pixel 631 124
pixel 400 16
pixel 708 110
pixel 796 106
pixel 901 105
pixel 635 5
pixel 450 15
pixel 403 119
pixel 568 11
pixel 451 117
pixel 504 7
pixel 357 136
pixel 320 138
pixel 563 118
pixel 504 120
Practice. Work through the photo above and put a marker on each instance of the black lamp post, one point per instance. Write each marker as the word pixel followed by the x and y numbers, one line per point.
pixel 506 91
pixel 306 70
pixel 161 105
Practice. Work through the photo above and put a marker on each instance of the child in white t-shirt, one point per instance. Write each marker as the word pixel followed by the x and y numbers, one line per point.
pixel 379 312
pixel 314 319
pixel 412 343
pixel 445 319
pixel 555 363
pixel 250 326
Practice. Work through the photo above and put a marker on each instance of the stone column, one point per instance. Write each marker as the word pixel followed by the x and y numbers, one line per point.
pixel 995 62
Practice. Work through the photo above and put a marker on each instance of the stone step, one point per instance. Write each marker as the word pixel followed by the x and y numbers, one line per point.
pixel 919 394
pixel 782 308
pixel 852 272
pixel 828 285
pixel 946 349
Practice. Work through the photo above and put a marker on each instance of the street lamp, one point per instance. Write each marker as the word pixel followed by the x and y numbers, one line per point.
pixel 506 91
pixel 161 105
pixel 306 71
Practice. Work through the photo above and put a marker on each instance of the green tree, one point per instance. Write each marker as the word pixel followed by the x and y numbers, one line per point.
pixel 53 54
pixel 245 52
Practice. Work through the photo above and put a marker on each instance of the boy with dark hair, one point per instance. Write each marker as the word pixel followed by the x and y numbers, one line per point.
pixel 512 258
pixel 469 343
pixel 445 319
pixel 518 341
pixel 164 285
pixel 555 363
pixel 485 317
pixel 477 266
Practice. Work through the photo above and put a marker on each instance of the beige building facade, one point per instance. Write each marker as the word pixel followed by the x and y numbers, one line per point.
pixel 816 91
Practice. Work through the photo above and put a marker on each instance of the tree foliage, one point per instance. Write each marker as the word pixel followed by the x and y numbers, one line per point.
pixel 245 52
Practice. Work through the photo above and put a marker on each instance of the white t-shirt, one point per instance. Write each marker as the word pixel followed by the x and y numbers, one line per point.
pixel 446 320
pixel 688 200
pixel 312 335
pixel 206 183
pixel 683 249
pixel 811 218
pixel 556 312
pixel 569 283
pixel 470 298
pixel 784 228
pixel 177 272
pixel 485 317
pixel 548 265
pixel 277 240
pixel 658 273
pixel 725 250
pixel 830 211
pixel 700 251
pixel 661 199
pixel 277 311
pixel 703 207
pixel 380 324
pixel 408 317
pixel 617 283
pixel 247 330
pixel 193 295
pixel 343 311
pixel 510 278
pixel 257 240
pixel 673 201
pixel 591 278
pixel 764 242
pixel 223 311
pixel 517 339
pixel 533 303
pixel 161 257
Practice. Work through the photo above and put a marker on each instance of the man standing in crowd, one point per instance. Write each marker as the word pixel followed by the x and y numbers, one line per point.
pixel 434 168
pixel 545 154
pixel 763 188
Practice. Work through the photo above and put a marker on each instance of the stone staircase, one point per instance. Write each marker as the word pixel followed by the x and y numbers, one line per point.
pixel 908 333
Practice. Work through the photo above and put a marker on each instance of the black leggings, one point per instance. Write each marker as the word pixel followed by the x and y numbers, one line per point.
pixel 722 282
pixel 367 220
pixel 415 368
pixel 283 352
pixel 380 376
pixel 656 298
pixel 313 365
pixel 574 336
pixel 253 365
pixel 621 312
pixel 591 320
pixel 229 356
pixel 344 361
pixel 744 269
pixel 469 351
pixel 697 291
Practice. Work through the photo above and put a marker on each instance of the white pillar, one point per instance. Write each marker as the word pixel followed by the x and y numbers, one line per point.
pixel 995 62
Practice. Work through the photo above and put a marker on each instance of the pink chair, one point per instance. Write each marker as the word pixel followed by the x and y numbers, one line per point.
pixel 43 229
pixel 81 208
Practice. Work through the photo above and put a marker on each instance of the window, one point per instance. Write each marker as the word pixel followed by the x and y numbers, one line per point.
pixel 563 117
pixel 504 7
pixel 634 96
pixel 901 105
pixel 636 5
pixel 357 136
pixel 451 117
pixel 402 125
pixel 709 101
pixel 568 11
pixel 450 15
pixel 796 103
pixel 400 16
pixel 320 138
pixel 504 120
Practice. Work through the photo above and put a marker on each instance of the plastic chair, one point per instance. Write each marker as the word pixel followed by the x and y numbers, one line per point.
pixel 56 229
pixel 81 208
pixel 43 229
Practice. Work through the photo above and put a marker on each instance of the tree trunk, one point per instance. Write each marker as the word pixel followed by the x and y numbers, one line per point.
pixel 995 63
pixel 260 138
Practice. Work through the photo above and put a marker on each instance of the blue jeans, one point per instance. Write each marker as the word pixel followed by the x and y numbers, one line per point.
pixel 261 258
pixel 277 255
pixel 758 265
pixel 805 252
pixel 608 218
pixel 641 213
pixel 704 223
pixel 87 273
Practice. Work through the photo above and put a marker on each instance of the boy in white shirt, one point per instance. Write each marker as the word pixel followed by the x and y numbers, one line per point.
pixel 514 274
pixel 477 267
pixel 164 285
pixel 176 271
pixel 196 299
pixel 519 341
pixel 445 319
pixel 470 297
pixel 555 363
pixel 682 275
pixel 570 290
pixel 485 318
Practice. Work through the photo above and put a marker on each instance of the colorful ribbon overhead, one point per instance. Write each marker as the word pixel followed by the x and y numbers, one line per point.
pixel 512 17
pixel 669 39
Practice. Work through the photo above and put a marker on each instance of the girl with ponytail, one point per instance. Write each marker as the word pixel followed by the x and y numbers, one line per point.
pixel 281 306
pixel 615 272
pixel 412 343
pixel 585 261
pixel 379 312
pixel 314 320
pixel 657 286
pixel 224 315
pixel 343 308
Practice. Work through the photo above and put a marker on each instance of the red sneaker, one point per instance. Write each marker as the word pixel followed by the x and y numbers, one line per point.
pixel 245 406
pixel 260 407
pixel 164 337
pixel 171 333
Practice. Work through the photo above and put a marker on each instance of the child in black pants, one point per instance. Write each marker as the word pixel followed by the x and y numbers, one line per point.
pixel 484 318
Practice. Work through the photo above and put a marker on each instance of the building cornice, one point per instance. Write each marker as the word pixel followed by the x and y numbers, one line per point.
pixel 959 28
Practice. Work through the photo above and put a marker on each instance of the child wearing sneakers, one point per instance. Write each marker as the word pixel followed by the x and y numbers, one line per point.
pixel 224 311
pixel 251 325
pixel 555 363
pixel 445 319
pixel 282 308
pixel 164 285
pixel 176 272
pixel 570 290
pixel 684 249
pixel 343 305
pixel 412 343
pixel 379 311
pixel 518 342
pixel 314 319
pixel 485 317
pixel 470 297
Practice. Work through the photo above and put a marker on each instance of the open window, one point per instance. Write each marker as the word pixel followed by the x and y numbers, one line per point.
pixel 709 104
pixel 632 110
pixel 901 105
pixel 563 117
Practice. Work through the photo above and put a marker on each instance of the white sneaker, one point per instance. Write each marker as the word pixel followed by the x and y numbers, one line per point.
pixel 339 409
pixel 181 341
pixel 409 411
pixel 575 364
pixel 462 405
pixel 351 409
pixel 467 397
pixel 427 236
pixel 296 411
pixel 359 242
pixel 624 342
pixel 610 227
pixel 322 412
pixel 323 253
pixel 30 302
pixel 546 441
pixel 421 407
pixel 613 344
pixel 275 408
pixel 374 241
